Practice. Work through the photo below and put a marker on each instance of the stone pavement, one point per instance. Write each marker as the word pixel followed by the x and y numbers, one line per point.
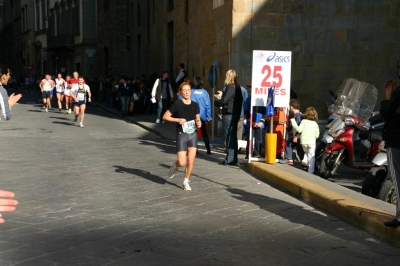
pixel 360 210
pixel 100 196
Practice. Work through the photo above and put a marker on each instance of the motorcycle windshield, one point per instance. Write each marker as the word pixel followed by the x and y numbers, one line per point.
pixel 356 98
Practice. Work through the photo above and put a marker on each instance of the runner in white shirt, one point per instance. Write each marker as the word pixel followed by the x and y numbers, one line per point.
pixel 60 85
pixel 78 93
pixel 46 85
pixel 67 96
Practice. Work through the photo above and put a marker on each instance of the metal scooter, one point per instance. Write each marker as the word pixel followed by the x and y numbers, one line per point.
pixel 354 107
pixel 377 183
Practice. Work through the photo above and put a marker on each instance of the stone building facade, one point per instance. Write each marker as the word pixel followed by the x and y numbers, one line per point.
pixel 330 40
pixel 28 38
pixel 10 36
pixel 113 51
pixel 71 37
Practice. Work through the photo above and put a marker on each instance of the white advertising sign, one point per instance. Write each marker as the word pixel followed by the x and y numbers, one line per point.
pixel 271 67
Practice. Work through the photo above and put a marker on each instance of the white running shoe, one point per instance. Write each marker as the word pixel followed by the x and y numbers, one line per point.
pixel 46 110
pixel 186 186
pixel 172 170
pixel 81 124
pixel 158 121
pixel 66 111
pixel 69 111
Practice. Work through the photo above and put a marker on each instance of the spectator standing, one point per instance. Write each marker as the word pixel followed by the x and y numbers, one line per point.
pixel 390 111
pixel 201 96
pixel 162 92
pixel 245 95
pixel 309 132
pixel 125 91
pixel 181 76
pixel 232 103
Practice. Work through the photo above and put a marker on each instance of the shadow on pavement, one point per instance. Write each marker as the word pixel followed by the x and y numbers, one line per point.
pixel 63 123
pixel 144 174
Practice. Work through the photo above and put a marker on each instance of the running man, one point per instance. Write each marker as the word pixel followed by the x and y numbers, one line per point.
pixel 46 85
pixel 78 94
pixel 186 114
pixel 73 82
pixel 60 85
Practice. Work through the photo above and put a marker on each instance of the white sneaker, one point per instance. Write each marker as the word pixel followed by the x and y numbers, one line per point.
pixel 81 124
pixel 158 121
pixel 172 170
pixel 69 111
pixel 46 110
pixel 186 186
pixel 66 111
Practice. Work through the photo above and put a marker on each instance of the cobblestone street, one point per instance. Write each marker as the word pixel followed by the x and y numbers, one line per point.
pixel 100 195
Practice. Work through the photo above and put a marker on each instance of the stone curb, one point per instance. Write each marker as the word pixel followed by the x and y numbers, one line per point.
pixel 359 214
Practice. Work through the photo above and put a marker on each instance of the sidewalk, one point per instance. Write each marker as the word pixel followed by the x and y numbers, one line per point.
pixel 359 210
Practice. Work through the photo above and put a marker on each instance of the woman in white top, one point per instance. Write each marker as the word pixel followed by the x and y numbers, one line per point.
pixel 67 96
pixel 60 85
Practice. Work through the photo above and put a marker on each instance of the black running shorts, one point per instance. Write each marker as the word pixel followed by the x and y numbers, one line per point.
pixel 45 94
pixel 183 141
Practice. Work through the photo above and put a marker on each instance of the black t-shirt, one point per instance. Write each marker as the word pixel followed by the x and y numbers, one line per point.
pixel 187 111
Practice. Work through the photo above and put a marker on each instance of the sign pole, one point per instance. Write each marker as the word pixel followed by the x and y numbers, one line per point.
pixel 213 107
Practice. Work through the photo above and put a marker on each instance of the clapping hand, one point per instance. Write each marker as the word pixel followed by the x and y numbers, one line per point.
pixel 7 203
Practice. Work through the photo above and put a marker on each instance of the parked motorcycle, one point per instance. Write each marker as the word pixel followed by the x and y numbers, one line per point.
pixel 326 138
pixel 377 183
pixel 354 107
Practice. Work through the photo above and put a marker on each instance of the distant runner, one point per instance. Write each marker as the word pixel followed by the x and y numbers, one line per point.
pixel 78 93
pixel 46 85
pixel 60 85
pixel 67 96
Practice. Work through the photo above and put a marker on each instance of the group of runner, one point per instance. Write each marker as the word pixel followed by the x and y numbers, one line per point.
pixel 73 89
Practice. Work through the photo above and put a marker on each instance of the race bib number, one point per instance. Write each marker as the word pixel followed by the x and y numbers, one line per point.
pixel 81 96
pixel 189 127
pixel 58 88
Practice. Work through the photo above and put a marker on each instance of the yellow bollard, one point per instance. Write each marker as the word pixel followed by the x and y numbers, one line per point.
pixel 270 148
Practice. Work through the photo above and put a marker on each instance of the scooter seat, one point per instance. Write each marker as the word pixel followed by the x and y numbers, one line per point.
pixel 364 134
pixel 375 137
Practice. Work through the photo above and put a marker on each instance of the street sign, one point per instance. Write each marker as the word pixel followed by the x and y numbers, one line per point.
pixel 271 68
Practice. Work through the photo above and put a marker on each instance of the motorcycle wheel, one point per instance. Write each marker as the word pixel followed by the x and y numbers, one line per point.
pixel 373 181
pixel 324 169
pixel 387 192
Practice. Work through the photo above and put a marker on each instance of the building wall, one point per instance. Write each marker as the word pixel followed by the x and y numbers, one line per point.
pixel 330 41
pixel 192 32
pixel 112 37
pixel 10 40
